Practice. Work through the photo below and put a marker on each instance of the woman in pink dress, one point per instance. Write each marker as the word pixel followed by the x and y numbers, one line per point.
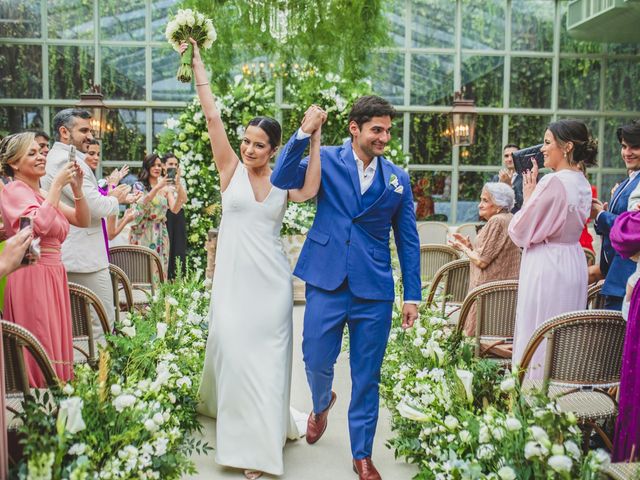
pixel 553 270
pixel 37 296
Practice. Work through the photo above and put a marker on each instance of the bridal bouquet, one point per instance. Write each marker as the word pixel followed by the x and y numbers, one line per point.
pixel 189 23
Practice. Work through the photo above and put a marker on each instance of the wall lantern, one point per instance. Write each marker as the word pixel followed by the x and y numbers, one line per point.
pixel 92 101
pixel 462 120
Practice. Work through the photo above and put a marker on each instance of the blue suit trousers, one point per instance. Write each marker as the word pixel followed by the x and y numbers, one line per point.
pixel 369 322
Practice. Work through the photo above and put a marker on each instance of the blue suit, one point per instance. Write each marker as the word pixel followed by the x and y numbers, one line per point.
pixel 617 269
pixel 346 264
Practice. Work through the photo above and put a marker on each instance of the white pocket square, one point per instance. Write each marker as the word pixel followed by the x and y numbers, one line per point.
pixel 399 189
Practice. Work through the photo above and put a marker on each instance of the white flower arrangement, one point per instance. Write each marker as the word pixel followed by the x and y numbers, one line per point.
pixel 189 23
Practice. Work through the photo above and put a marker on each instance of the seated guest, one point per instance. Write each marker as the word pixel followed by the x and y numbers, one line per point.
pixel 37 296
pixel 625 239
pixel 494 256
pixel 615 268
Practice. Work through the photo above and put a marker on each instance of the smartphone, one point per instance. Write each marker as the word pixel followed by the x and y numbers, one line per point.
pixel 24 223
pixel 523 159
pixel 171 174
pixel 72 153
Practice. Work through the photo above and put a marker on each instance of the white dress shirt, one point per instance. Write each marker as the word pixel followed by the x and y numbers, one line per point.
pixel 366 175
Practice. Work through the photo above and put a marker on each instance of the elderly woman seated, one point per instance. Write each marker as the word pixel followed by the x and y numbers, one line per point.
pixel 494 256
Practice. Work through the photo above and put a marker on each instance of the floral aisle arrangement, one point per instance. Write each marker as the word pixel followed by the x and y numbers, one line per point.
pixel 298 218
pixel 189 23
pixel 457 417
pixel 133 418
pixel 249 96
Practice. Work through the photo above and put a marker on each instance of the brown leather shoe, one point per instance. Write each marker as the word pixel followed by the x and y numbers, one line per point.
pixel 317 422
pixel 365 469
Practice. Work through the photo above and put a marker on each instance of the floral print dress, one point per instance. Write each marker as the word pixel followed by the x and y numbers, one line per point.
pixel 149 229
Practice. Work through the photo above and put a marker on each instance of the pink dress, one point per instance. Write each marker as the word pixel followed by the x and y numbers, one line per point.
pixel 37 296
pixel 3 431
pixel 553 271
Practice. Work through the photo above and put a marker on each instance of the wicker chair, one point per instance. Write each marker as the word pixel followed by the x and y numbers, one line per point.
pixel 82 301
pixel 583 360
pixel 595 300
pixel 469 230
pixel 432 257
pixel 495 316
pixel 451 281
pixel 433 233
pixel 15 340
pixel 139 264
pixel 622 471
pixel 120 282
pixel 590 256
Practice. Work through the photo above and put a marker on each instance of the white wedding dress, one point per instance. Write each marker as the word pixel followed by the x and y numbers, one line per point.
pixel 246 379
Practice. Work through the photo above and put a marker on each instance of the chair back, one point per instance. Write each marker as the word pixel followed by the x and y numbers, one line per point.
pixel 590 256
pixel 120 281
pixel 469 230
pixel 432 257
pixel 595 299
pixel 582 348
pixel 139 264
pixel 451 281
pixel 16 340
pixel 495 311
pixel 83 301
pixel 433 232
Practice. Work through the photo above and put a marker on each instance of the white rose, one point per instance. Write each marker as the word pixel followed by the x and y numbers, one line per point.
pixel 572 449
pixel 158 418
pixel 70 415
pixel 465 436
pixel 68 389
pixel 508 384
pixel 116 389
pixel 497 433
pixel 483 434
pixel 150 425
pixel 129 331
pixel 532 449
pixel 560 463
pixel 417 342
pixel 507 473
pixel 123 401
pixel 539 434
pixel 513 424
pixel 451 422
pixel 172 301
pixel 77 449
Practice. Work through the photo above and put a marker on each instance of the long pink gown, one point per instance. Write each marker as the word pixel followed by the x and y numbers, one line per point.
pixel 553 271
pixel 37 296
pixel 3 430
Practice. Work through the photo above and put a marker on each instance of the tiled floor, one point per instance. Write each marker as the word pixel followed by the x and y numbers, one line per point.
pixel 330 458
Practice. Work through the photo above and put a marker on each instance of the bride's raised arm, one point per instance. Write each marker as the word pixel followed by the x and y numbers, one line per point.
pixel 224 157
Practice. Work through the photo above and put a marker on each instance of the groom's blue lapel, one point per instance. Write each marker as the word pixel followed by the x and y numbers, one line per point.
pixel 350 162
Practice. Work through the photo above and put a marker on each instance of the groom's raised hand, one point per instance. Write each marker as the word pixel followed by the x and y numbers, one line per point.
pixel 409 315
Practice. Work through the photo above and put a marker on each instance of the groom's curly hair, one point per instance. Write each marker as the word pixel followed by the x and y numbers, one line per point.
pixel 369 106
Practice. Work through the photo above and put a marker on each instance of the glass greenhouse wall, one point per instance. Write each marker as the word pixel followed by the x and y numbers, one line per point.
pixel 515 56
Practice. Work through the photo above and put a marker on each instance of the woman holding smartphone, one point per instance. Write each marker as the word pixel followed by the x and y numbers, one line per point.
pixel 149 229
pixel 37 296
pixel 176 222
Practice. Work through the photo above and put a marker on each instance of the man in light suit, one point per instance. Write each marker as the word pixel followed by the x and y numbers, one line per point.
pixel 346 264
pixel 84 253
pixel 617 269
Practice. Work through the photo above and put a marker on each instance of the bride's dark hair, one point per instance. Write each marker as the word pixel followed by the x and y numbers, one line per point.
pixel 270 126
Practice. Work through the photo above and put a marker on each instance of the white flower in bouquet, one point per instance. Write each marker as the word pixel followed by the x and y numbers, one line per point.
pixel 465 436
pixel 513 424
pixel 451 422
pixel 188 23
pixel 123 401
pixel 70 416
pixel 572 449
pixel 129 331
pixel 508 384
pixel 68 389
pixel 411 413
pixel 539 435
pixel 533 449
pixel 560 463
pixel 77 449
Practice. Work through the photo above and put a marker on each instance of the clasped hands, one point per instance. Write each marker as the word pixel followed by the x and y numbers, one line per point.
pixel 313 119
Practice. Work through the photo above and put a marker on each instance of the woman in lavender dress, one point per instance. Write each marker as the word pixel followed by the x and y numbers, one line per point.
pixel 625 239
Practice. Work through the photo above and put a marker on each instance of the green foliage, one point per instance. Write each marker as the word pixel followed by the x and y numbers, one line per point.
pixel 333 35
pixel 135 416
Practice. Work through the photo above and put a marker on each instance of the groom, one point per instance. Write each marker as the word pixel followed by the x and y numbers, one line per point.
pixel 346 263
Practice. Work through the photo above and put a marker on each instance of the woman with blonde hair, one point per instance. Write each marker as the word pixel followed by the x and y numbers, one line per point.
pixel 37 296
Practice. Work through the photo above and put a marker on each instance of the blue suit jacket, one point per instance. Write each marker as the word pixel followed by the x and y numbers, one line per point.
pixel 347 240
pixel 617 269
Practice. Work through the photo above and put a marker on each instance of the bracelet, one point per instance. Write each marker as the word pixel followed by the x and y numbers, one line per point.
pixel 79 198
pixel 202 84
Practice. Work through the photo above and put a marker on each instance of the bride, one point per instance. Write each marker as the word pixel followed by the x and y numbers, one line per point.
pixel 247 371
